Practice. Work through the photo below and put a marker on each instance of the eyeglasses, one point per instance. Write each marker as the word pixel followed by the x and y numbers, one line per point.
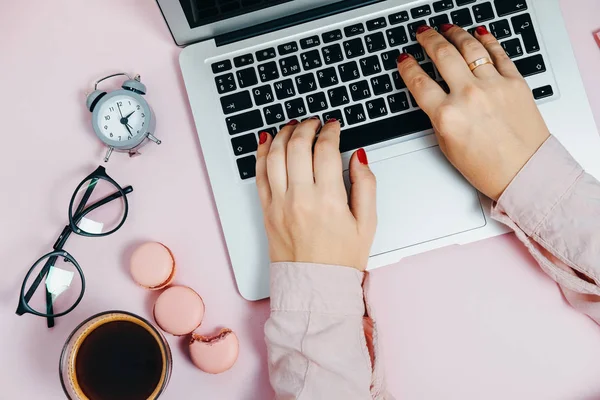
pixel 98 208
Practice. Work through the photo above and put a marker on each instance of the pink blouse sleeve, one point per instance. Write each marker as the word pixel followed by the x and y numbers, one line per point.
pixel 321 341
pixel 554 208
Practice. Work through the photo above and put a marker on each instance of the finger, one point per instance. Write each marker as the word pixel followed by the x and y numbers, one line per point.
pixel 504 64
pixel 277 160
pixel 299 153
pixel 262 180
pixel 449 62
pixel 327 160
pixel 363 193
pixel 428 94
pixel 472 50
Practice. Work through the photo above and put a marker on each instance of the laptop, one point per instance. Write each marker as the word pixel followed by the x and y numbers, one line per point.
pixel 252 65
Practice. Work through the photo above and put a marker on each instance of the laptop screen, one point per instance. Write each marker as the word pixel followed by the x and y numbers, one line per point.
pixel 204 12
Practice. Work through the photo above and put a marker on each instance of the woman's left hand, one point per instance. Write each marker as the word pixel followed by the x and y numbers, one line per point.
pixel 306 211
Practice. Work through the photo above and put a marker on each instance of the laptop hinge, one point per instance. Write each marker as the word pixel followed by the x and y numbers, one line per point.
pixel 292 20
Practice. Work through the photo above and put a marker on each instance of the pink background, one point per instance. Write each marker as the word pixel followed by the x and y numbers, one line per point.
pixel 471 322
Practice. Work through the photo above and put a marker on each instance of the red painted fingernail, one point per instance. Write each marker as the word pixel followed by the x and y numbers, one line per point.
pixel 446 27
pixel 292 122
pixel 402 57
pixel 330 120
pixel 423 28
pixel 315 117
pixel 481 30
pixel 362 156
pixel 262 138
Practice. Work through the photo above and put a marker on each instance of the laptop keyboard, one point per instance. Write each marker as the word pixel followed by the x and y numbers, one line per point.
pixel 349 73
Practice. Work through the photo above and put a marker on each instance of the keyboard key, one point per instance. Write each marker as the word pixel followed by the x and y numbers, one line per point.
pixel 274 114
pixel 438 20
pixel 247 167
pixel 309 42
pixel 376 108
pixel 348 71
pixel 507 7
pixel 355 114
pixel 398 81
pixel 370 65
pixel 289 65
pixel 419 12
pixel 464 2
pixel 429 69
pixel 483 12
pixel 461 17
pixel 381 84
pixel 443 5
pixel 384 129
pixel 270 131
pixel 375 42
pixel 244 122
pixel 332 54
pixel 327 77
pixel 306 83
pixel 397 18
pixel 389 59
pixel 316 102
pixel 396 36
pixel 531 65
pixel 412 100
pixel 268 71
pixel 332 36
pixel 523 26
pixel 338 96
pixel 225 83
pixel 416 50
pixel 265 54
pixel 354 30
pixel 334 114
pixel 513 48
pixel 241 61
pixel 375 24
pixel 295 108
pixel 354 48
pixel 284 89
pixel 412 28
pixel 247 77
pixel 287 48
pixel 311 60
pixel 244 144
pixel 398 102
pixel 262 95
pixel 543 92
pixel 236 102
pixel 500 29
pixel 221 66
pixel 359 91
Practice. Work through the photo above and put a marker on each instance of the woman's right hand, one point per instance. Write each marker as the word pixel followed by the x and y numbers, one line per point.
pixel 488 125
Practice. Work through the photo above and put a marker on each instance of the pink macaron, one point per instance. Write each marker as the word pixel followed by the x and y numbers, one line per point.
pixel 152 266
pixel 215 354
pixel 179 310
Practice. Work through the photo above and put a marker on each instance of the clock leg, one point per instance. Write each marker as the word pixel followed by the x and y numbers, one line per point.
pixel 108 153
pixel 154 138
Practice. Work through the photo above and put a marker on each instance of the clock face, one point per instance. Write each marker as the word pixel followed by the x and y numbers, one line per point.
pixel 122 118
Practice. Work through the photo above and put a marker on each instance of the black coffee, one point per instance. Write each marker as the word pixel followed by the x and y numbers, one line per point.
pixel 119 360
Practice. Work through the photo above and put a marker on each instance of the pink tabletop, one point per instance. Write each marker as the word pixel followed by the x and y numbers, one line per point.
pixel 471 322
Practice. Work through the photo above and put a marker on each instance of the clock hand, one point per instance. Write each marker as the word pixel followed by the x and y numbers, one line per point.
pixel 127 117
pixel 119 110
pixel 128 130
pixel 131 127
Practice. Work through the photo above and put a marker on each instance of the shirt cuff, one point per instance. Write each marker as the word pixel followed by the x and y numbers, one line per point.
pixel 328 289
pixel 539 186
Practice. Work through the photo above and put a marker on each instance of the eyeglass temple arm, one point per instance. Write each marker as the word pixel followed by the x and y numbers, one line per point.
pixel 80 214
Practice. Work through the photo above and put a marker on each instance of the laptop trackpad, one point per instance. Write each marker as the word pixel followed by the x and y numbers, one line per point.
pixel 421 197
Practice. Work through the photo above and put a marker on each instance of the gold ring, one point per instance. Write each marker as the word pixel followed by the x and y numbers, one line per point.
pixel 478 63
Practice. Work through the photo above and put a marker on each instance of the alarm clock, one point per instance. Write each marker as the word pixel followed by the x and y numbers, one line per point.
pixel 122 119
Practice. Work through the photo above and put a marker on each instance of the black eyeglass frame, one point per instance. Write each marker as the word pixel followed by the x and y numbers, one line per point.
pixel 74 218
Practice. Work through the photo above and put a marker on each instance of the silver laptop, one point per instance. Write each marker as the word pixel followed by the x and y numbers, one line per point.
pixel 251 65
